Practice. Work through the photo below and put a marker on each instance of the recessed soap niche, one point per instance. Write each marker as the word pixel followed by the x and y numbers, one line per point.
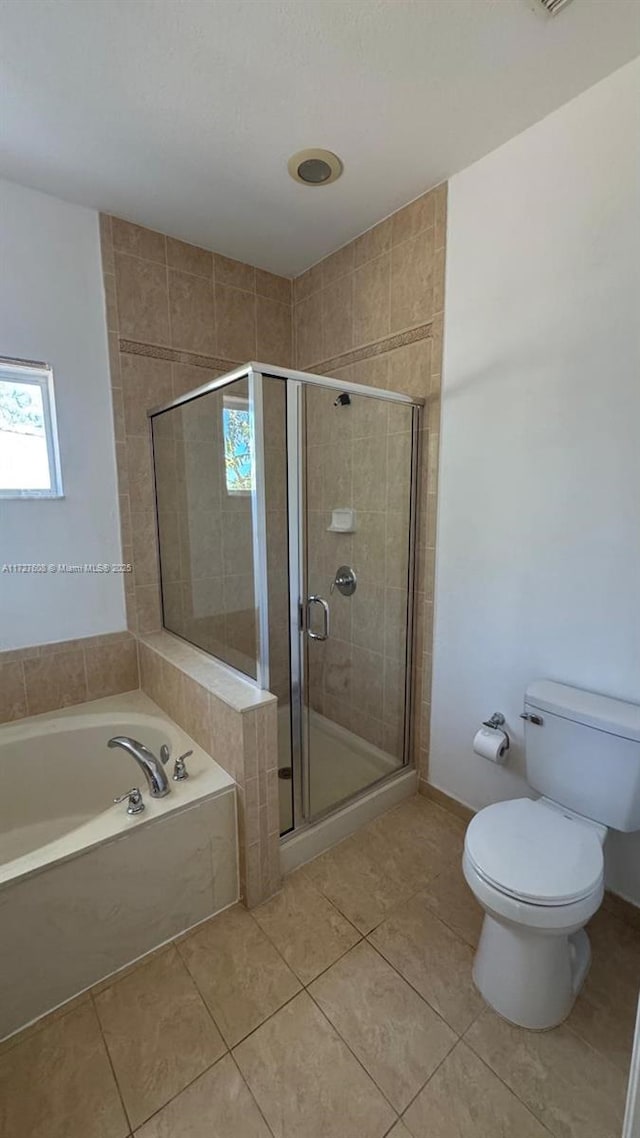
pixel 343 520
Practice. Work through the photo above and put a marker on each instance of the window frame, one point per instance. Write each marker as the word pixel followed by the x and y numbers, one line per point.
pixel 38 375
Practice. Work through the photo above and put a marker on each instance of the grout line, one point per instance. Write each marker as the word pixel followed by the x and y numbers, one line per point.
pixel 247 1085
pixel 429 1078
pixel 110 1061
pixel 355 1056
pixel 484 1060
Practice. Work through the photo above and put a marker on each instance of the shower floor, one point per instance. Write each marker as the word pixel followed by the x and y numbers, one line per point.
pixel 342 763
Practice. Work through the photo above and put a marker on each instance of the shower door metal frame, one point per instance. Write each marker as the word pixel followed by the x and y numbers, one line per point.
pixel 296 381
pixel 298 592
pixel 253 375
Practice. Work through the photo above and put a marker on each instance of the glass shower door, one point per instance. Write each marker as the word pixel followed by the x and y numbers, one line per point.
pixel 357 470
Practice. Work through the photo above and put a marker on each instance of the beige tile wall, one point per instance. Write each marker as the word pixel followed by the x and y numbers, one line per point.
pixel 47 677
pixel 360 456
pixel 236 724
pixel 177 316
pixel 373 313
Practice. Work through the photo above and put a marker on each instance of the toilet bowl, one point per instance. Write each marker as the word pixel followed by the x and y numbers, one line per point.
pixel 536 869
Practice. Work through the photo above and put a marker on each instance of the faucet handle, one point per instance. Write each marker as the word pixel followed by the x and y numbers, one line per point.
pixel 136 805
pixel 165 754
pixel 180 771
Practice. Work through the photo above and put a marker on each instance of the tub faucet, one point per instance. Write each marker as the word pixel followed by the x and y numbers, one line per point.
pixel 147 761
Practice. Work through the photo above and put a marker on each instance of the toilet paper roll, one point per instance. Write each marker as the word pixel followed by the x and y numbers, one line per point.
pixel 491 743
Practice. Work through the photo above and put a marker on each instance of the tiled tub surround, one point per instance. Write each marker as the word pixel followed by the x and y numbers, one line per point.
pixel 86 889
pixel 343 1007
pixel 235 723
pixel 46 677
pixel 372 313
pixel 177 316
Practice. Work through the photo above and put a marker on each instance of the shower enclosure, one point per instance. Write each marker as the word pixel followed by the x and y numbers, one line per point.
pixel 286 509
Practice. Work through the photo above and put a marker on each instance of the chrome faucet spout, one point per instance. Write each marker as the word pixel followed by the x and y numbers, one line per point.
pixel 148 763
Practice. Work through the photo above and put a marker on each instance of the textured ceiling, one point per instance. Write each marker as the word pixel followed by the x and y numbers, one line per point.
pixel 181 114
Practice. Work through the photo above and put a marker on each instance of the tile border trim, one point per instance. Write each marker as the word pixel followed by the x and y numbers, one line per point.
pixel 355 355
pixel 378 348
pixel 175 355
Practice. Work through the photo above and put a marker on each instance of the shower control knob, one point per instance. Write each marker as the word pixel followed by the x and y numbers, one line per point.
pixel 344 581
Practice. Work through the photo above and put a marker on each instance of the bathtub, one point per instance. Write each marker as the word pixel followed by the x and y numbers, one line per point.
pixel 85 888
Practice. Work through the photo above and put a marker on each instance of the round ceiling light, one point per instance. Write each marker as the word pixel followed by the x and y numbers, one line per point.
pixel 315 167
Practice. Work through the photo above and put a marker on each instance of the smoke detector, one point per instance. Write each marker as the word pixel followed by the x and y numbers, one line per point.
pixel 552 7
pixel 315 167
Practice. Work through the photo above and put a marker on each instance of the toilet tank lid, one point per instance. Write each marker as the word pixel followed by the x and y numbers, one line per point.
pixel 615 716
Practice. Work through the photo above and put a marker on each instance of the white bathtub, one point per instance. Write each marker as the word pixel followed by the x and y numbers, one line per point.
pixel 86 888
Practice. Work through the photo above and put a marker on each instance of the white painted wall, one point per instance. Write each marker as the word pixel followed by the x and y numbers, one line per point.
pixel 52 309
pixel 538 564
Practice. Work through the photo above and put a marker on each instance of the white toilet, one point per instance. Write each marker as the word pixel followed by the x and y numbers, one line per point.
pixel 536 867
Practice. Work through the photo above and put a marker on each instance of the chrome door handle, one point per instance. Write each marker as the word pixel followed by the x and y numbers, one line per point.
pixel 315 600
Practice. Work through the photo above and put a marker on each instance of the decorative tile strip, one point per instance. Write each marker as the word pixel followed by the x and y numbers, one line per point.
pixel 175 356
pixel 388 344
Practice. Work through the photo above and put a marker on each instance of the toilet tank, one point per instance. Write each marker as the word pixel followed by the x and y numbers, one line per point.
pixel 583 751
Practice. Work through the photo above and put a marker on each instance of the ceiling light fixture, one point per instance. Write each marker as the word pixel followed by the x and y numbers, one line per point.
pixel 315 167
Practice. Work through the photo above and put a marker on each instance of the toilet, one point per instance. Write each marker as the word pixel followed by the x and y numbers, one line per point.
pixel 536 866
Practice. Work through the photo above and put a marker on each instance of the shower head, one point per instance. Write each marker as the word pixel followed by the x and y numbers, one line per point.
pixel 343 400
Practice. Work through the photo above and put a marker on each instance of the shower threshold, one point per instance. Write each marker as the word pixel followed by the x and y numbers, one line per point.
pixel 352 781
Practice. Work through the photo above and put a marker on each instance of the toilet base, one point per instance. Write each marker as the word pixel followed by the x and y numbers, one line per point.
pixel 530 978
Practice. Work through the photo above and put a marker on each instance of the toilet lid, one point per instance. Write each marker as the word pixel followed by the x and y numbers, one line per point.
pixel 535 853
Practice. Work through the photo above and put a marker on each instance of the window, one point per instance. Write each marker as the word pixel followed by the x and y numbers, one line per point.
pixel 29 459
pixel 238 445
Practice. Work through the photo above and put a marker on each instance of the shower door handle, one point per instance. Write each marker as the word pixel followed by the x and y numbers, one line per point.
pixel 315 600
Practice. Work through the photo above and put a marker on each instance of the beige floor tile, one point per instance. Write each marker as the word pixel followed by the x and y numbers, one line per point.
pixel 240 974
pixel 464 1099
pixel 418 841
pixel 399 1131
pixel 218 1105
pixel 45 1021
pixel 305 927
pixel 159 1034
pixel 605 1011
pixel 572 1089
pixel 355 877
pixel 396 1036
pixel 58 1083
pixel 450 898
pixel 433 959
pixel 306 1081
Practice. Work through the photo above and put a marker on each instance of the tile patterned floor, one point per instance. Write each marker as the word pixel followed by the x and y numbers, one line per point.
pixel 343 1008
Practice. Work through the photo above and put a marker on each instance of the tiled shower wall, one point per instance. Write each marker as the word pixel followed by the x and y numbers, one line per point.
pixel 177 316
pixel 359 455
pixel 373 313
pixel 205 534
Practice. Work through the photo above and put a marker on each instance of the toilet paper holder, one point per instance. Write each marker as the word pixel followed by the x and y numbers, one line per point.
pixel 497 722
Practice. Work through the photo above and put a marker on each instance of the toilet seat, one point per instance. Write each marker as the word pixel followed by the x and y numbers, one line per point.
pixel 535 854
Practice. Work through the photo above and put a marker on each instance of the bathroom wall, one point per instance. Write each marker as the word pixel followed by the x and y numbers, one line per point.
pixel 372 313
pixel 538 560
pixel 51 310
pixel 357 676
pixel 177 316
